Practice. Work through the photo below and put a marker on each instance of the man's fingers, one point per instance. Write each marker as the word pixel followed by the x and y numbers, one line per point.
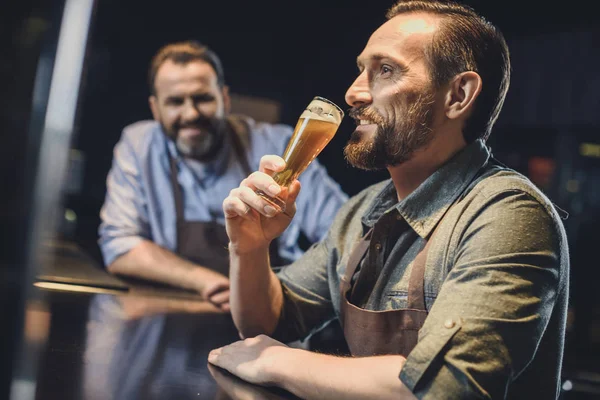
pixel 254 201
pixel 234 207
pixel 219 285
pixel 270 164
pixel 219 298
pixel 262 181
pixel 293 192
pixel 222 356
pixel 213 356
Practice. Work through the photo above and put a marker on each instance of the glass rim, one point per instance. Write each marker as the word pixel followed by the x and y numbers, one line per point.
pixel 330 102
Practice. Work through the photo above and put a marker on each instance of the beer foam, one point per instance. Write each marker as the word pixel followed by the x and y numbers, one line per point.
pixel 322 111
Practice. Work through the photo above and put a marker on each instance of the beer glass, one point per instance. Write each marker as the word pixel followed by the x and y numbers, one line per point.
pixel 315 128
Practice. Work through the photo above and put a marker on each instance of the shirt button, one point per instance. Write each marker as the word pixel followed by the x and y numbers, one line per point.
pixel 378 246
pixel 398 217
pixel 449 324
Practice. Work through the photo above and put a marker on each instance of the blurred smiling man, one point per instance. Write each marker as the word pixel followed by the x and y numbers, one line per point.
pixel 162 219
pixel 197 128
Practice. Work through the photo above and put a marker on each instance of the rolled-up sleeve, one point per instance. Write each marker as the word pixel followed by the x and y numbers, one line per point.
pixel 307 296
pixel 494 306
pixel 124 214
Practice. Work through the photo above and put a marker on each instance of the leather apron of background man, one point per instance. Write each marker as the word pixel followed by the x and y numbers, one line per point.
pixel 370 333
pixel 206 242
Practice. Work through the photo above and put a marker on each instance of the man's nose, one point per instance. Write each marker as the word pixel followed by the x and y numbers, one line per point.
pixel 359 93
pixel 190 111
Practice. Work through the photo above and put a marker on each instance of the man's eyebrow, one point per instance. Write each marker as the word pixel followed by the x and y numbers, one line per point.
pixel 373 57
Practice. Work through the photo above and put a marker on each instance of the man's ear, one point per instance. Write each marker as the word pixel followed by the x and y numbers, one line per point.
pixel 226 99
pixel 462 93
pixel 153 102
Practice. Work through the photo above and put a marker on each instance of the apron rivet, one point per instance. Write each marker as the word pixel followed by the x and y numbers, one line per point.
pixel 449 324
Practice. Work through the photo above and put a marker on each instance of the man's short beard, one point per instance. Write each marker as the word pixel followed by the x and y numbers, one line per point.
pixel 392 143
pixel 204 150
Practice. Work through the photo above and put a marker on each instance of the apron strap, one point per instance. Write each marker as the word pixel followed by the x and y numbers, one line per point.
pixel 416 282
pixel 353 262
pixel 240 140
pixel 177 195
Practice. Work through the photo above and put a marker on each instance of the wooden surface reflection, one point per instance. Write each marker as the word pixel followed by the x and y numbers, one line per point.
pixel 138 345
pixel 236 389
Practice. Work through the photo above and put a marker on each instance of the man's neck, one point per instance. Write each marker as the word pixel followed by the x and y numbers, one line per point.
pixel 409 175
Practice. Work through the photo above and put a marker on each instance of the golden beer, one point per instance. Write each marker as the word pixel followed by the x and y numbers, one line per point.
pixel 315 128
pixel 310 137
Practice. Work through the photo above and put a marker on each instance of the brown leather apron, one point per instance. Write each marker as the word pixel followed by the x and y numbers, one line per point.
pixel 206 242
pixel 370 333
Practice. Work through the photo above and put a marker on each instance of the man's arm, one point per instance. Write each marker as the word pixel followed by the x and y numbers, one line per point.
pixel 149 261
pixel 138 306
pixel 491 317
pixel 308 375
pixel 256 297
pixel 252 223
pixel 125 231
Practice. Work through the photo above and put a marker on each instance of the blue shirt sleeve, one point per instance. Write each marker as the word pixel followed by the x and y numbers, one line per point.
pixel 319 201
pixel 124 214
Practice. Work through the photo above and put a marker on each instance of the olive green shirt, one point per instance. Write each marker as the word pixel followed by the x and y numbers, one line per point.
pixel 496 278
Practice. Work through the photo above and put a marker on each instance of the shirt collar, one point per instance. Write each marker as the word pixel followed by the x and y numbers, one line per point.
pixel 426 205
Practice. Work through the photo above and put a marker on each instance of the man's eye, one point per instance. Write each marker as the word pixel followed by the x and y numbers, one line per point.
pixel 205 98
pixel 385 69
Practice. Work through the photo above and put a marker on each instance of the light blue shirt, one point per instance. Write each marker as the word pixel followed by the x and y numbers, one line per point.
pixel 139 201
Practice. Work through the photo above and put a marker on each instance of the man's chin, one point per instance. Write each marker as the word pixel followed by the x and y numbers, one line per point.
pixel 191 134
pixel 193 150
pixel 204 150
pixel 361 155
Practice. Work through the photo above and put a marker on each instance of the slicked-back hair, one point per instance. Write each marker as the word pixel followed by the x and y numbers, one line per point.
pixel 466 41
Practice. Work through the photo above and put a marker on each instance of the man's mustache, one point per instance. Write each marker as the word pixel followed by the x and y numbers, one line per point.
pixel 365 113
pixel 203 123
